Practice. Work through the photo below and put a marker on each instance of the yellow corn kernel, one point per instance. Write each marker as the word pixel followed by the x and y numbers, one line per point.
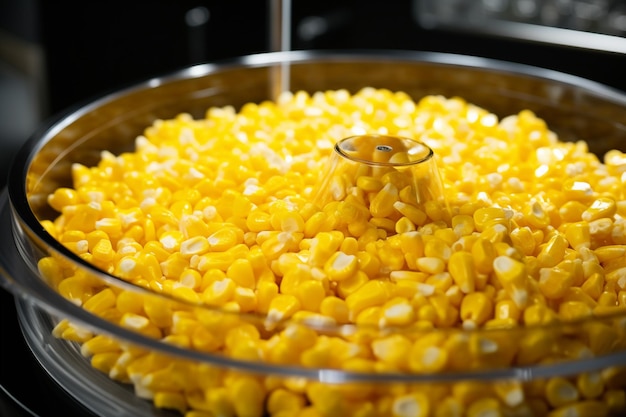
pixel 415 404
pixel 485 407
pixel 62 197
pixel 461 267
pixel 101 301
pixel 415 276
pixel 258 220
pixel 427 354
pixel 593 285
pixel 608 298
pixel 602 337
pixel 111 226
pixel 468 392
pixel 242 273
pixel 170 400
pixel 392 350
pixel 483 253
pixel 574 310
pixel 403 225
pixel 103 251
pixel 397 312
pixel 581 409
pixel 507 309
pixel 311 293
pixel 281 307
pixel 266 291
pixel 382 205
pixel 219 292
pixel 335 308
pixel 219 401
pixel 369 183
pixel 72 332
pixel 511 393
pixel 412 244
pixel 221 240
pixel 287 221
pixel 615 399
pixel 560 391
pixel 590 385
pixel 554 282
pixel 326 400
pixel 104 361
pixel 553 252
pixel 245 298
pixel 416 216
pixel 610 252
pixel 158 310
pixel 488 216
pixel 539 314
pixel 129 302
pixel 437 248
pixel 462 224
pixel 73 288
pixel 535 346
pixel 141 324
pixel 454 296
pixel 536 215
pixel 249 395
pixel 476 309
pixel 449 407
pixel 200 403
pixel 447 314
pixel 99 344
pixel 196 245
pixel 370 317
pixel 370 294
pixel 341 266
pixel 578 235
pixel 600 208
pixel 50 269
pixel 523 240
pixel 281 400
pixel 349 246
pixel 323 245
pixel 440 282
pixel 572 211
pixel 431 265
pixel 512 276
pixel 390 257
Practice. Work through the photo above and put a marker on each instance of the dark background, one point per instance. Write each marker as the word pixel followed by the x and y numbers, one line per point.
pixel 57 54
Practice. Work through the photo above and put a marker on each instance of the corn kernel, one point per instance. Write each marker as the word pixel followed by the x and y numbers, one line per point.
pixel 485 407
pixel 250 396
pixel 170 400
pixel 341 266
pixel 560 391
pixel 581 409
pixel 512 276
pixel 476 308
pixel 461 267
pixel 427 355
pixel 415 404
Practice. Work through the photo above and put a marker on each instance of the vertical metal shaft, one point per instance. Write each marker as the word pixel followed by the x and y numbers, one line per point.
pixel 280 40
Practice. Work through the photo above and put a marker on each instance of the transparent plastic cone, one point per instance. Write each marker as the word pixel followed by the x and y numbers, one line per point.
pixel 387 174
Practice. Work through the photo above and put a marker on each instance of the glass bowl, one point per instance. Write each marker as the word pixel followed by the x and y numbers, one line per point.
pixel 503 369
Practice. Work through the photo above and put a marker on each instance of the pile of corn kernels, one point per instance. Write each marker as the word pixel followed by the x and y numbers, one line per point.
pixel 219 211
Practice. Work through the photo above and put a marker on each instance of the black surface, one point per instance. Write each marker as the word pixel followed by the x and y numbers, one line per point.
pixel 26 389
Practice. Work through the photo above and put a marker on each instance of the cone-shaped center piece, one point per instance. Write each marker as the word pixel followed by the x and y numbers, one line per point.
pixel 383 149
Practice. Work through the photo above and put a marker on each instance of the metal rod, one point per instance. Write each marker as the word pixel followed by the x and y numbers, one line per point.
pixel 280 40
